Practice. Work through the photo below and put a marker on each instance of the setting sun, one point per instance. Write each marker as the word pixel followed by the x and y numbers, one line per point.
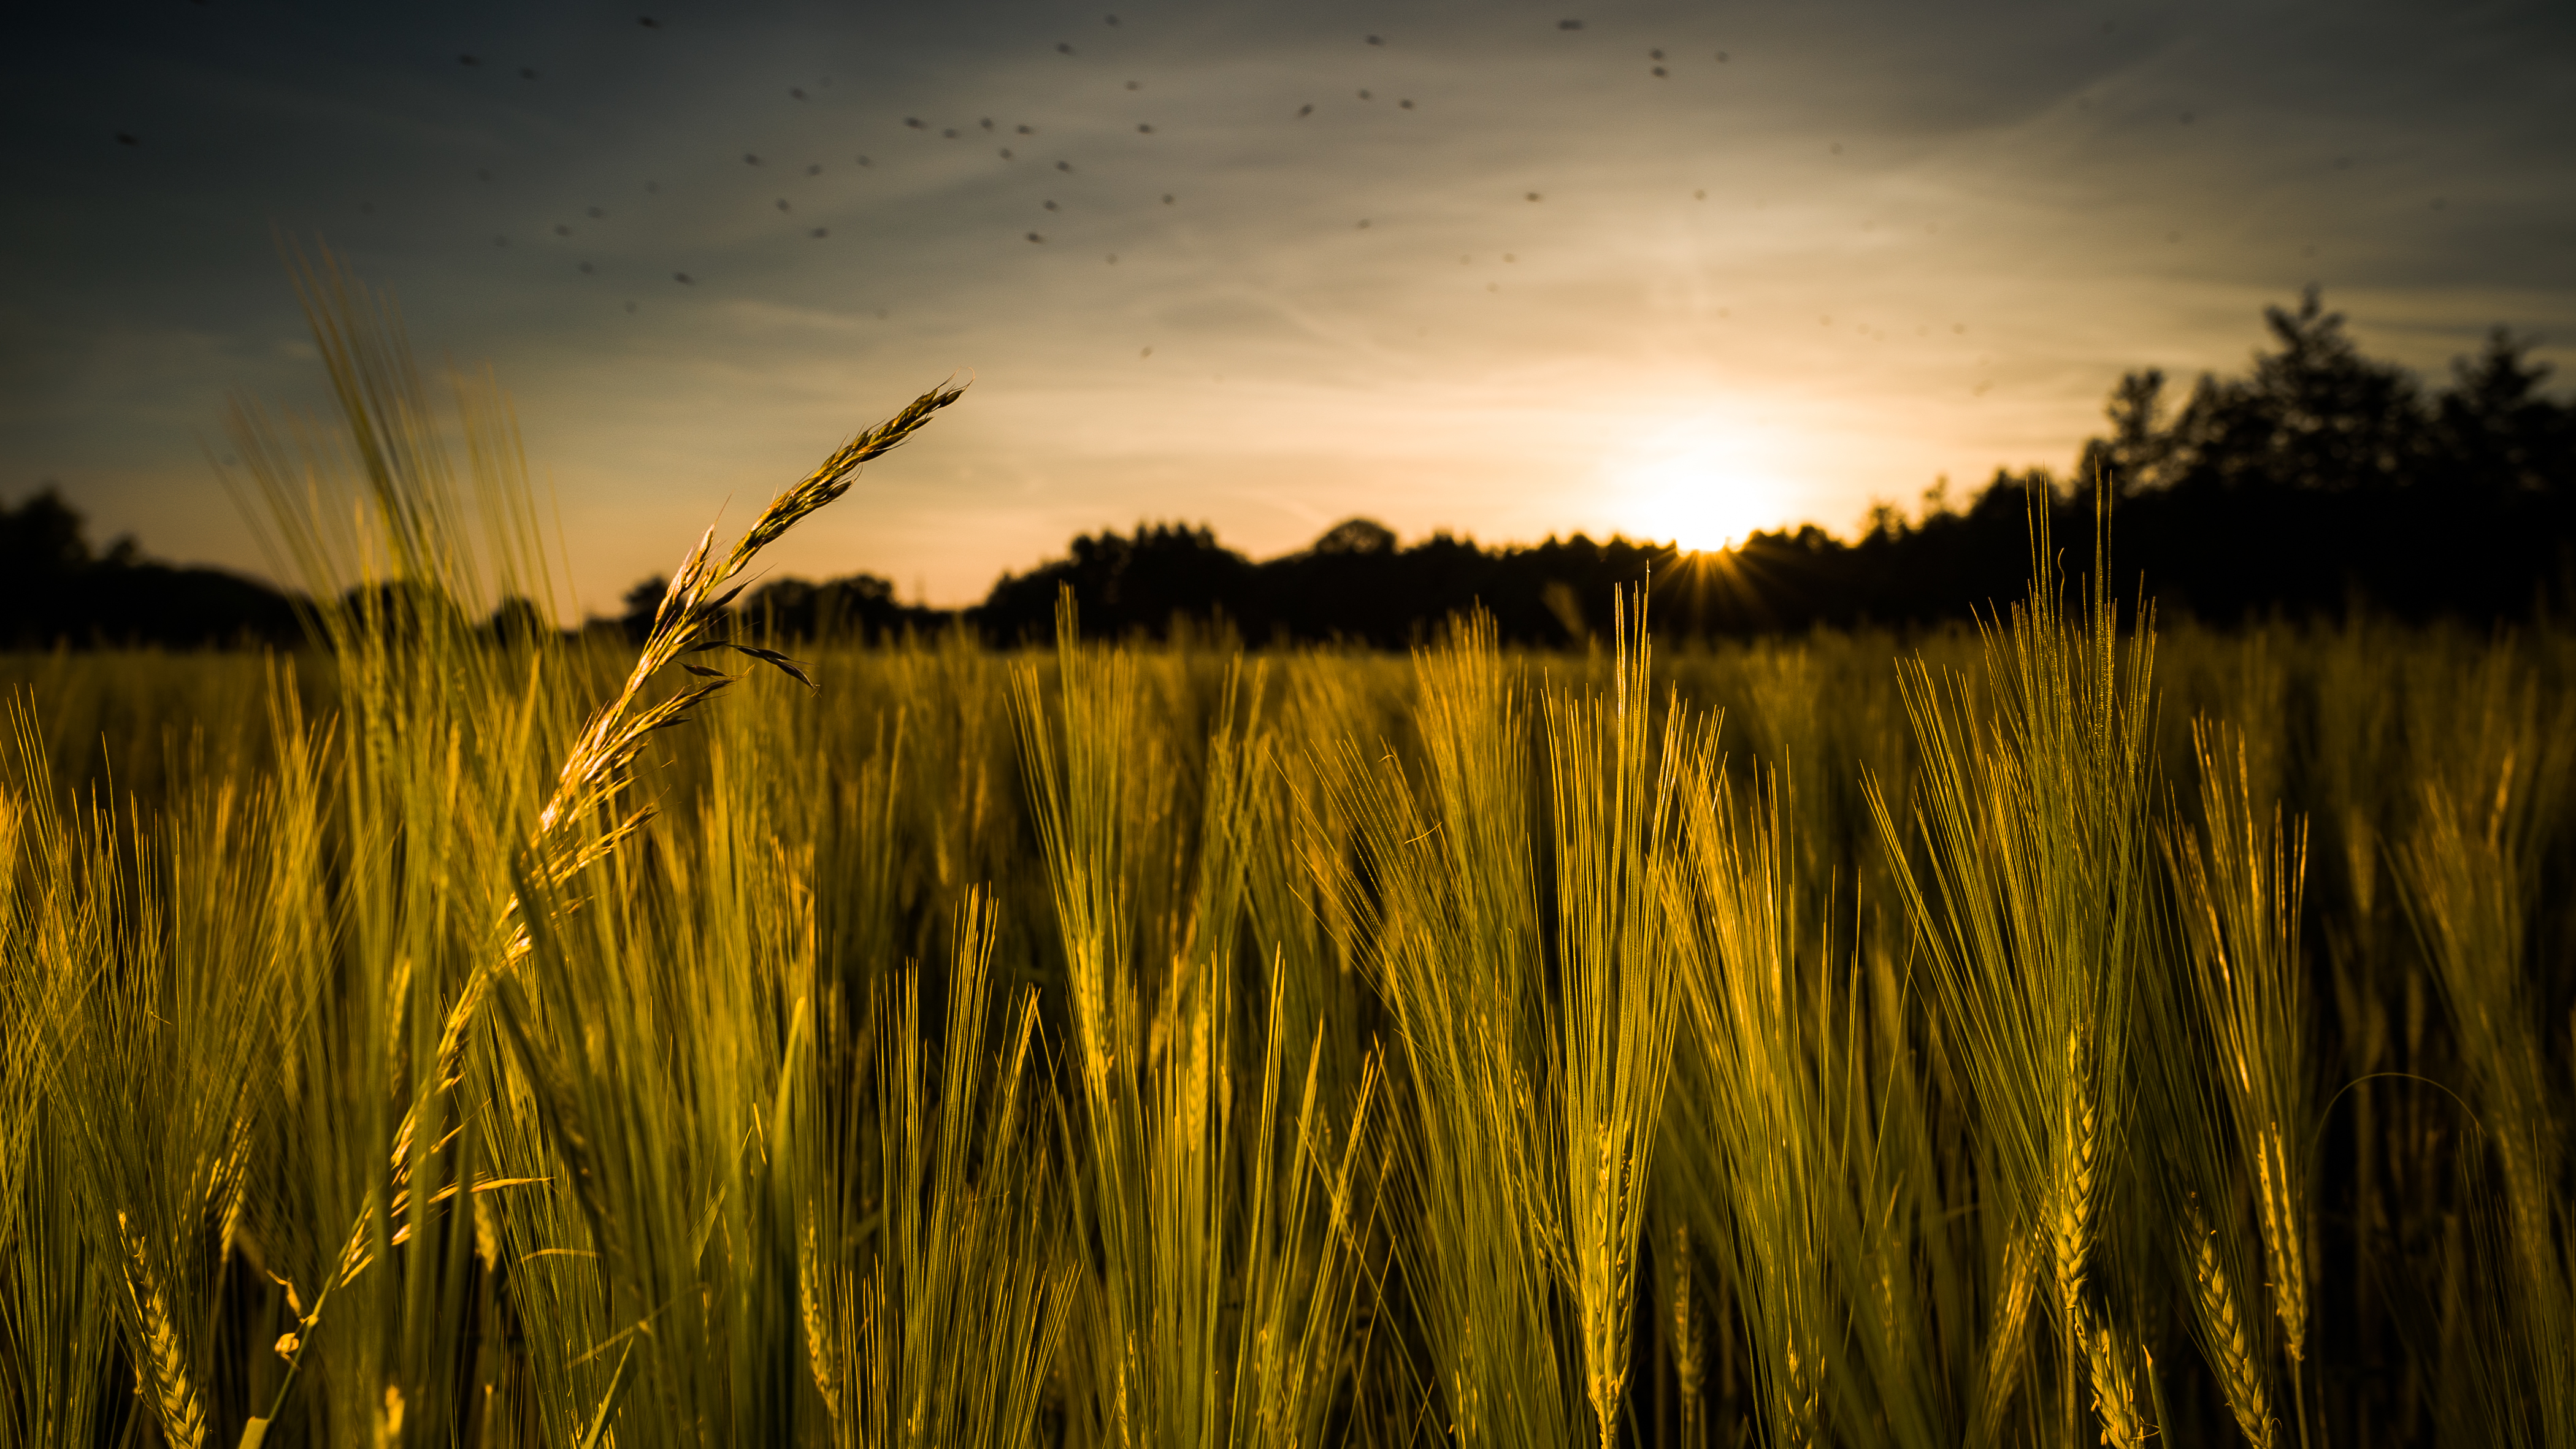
pixel 1705 498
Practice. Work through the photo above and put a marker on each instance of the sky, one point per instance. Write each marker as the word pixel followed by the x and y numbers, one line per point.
pixel 1507 270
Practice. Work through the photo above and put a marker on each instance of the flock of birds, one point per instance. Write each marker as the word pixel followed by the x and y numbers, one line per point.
pixel 1009 141
pixel 1106 182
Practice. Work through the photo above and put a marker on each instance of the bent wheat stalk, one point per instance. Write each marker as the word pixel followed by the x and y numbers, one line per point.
pixel 600 765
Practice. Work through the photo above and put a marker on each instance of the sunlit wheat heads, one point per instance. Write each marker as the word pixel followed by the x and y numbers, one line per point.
pixel 935 1272
pixel 1442 890
pixel 2488 812
pixel 1734 919
pixel 2030 901
pixel 1615 768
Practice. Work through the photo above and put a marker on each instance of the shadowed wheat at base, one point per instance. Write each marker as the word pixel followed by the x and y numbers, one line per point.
pixel 601 763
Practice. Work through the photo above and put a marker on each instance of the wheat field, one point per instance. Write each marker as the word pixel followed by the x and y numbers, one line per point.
pixel 2060 1033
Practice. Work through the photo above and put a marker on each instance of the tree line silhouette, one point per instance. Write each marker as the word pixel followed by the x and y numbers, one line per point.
pixel 2321 482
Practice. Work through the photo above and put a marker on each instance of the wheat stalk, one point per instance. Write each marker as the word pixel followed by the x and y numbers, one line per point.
pixel 2007 1340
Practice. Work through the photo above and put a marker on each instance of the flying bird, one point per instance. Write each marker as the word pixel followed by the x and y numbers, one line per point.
pixel 797 92
pixel 749 159
pixel 1374 40
pixel 1026 131
pixel 128 138
pixel 1062 48
pixel 683 277
pixel 1305 110
pixel 467 60
pixel 1064 166
pixel 1033 236
pixel 1569 25
pixel 648 23
pixel 913 121
pixel 1144 130
pixel 822 231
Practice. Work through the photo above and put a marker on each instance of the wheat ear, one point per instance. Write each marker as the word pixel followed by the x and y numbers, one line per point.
pixel 2282 1240
pixel 158 1357
pixel 1802 1402
pixel 2225 1336
pixel 2071 1215
pixel 1690 1349
pixel 2115 1386
pixel 822 1355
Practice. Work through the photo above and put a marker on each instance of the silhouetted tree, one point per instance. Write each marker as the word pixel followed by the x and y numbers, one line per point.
pixel 2315 414
pixel 641 601
pixel 2494 430
pixel 863 606
pixel 2136 454
pixel 516 620
pixel 55 589
pixel 1167 571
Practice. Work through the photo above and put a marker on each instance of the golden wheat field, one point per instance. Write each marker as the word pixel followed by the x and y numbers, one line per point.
pixel 2056 1034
